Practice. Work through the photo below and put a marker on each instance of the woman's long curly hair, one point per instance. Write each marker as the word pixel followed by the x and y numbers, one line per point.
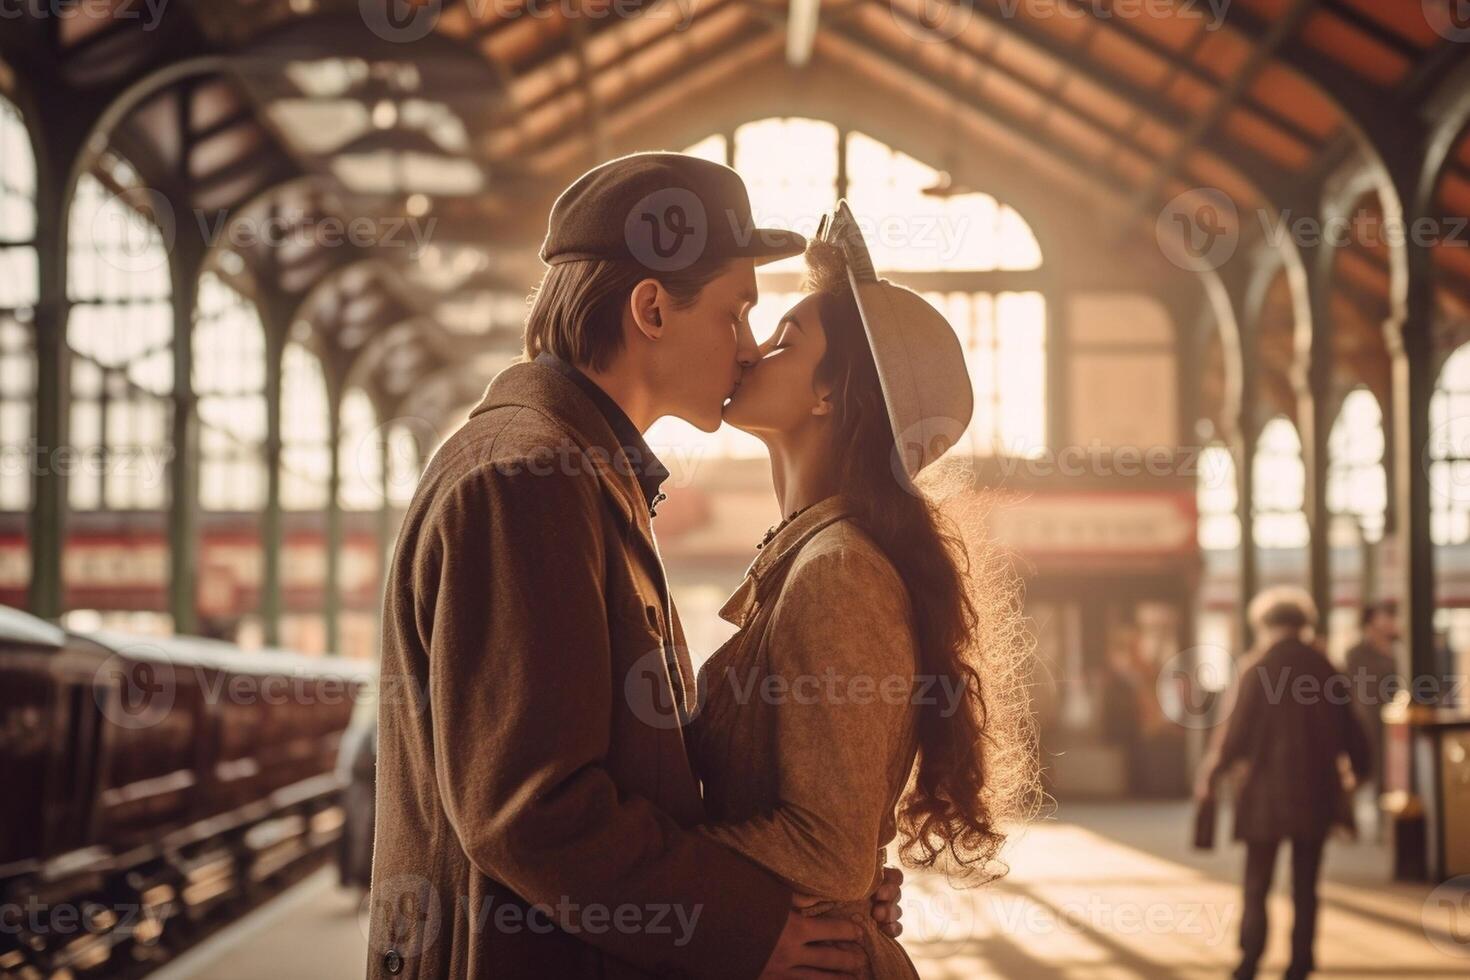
pixel 977 771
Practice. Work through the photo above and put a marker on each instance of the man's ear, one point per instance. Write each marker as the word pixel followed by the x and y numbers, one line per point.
pixel 646 305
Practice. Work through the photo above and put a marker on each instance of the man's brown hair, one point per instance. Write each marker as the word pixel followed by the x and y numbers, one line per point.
pixel 577 310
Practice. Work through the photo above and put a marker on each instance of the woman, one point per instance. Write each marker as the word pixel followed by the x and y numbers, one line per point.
pixel 1291 727
pixel 866 644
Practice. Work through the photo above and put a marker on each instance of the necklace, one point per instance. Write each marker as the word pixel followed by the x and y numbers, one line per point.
pixel 775 529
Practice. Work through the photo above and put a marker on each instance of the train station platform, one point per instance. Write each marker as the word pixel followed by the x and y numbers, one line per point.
pixel 1101 892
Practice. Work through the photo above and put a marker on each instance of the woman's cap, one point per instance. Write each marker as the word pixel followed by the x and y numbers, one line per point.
pixel 920 362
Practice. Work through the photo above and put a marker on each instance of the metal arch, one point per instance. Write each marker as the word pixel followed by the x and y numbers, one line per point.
pixel 1448 108
pixel 1376 137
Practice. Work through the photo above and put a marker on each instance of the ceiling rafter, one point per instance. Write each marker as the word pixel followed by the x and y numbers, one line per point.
pixel 1265 48
pixel 1266 176
pixel 742 30
pixel 860 44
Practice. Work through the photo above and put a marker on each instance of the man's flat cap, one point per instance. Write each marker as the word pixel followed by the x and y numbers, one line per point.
pixel 664 211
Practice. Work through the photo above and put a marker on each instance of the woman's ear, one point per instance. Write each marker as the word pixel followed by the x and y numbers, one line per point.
pixel 823 391
pixel 646 306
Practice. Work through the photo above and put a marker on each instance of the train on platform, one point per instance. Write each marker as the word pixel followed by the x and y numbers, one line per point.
pixel 155 788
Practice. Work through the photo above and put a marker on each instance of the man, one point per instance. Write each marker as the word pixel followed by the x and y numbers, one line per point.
pixel 1290 725
pixel 536 807
pixel 1373 669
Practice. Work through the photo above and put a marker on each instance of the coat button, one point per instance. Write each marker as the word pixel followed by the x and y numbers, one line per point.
pixel 393 962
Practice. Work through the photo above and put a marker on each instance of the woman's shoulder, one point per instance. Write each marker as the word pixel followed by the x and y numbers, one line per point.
pixel 844 554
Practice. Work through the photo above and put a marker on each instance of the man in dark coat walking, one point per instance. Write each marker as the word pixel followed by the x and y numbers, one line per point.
pixel 1291 725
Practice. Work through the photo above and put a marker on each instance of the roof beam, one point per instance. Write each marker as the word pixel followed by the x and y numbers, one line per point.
pixel 1255 168
pixel 1166 54
pixel 801 31
pixel 1266 45
pixel 856 42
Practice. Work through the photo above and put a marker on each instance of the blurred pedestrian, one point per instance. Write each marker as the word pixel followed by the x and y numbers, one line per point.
pixel 1289 726
pixel 1374 671
pixel 358 764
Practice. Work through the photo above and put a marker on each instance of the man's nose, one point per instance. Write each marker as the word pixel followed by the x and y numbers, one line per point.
pixel 747 351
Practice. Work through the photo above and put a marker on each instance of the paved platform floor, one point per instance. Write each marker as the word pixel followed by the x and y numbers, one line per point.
pixel 1100 892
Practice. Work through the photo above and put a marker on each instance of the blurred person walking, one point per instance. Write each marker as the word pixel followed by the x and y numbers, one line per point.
pixel 1291 723
pixel 1374 671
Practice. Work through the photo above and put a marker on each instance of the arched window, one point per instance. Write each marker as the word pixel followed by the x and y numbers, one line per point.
pixel 120 335
pixel 305 452
pixel 1218 498
pixel 1449 499
pixel 1357 487
pixel 1279 485
pixel 359 454
pixel 360 497
pixel 966 252
pixel 229 382
pixel 228 374
pixel 306 459
pixel 18 285
pixel 120 332
pixel 1449 452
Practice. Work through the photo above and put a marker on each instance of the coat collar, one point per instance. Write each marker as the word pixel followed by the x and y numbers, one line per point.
pixel 741 606
pixel 548 391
